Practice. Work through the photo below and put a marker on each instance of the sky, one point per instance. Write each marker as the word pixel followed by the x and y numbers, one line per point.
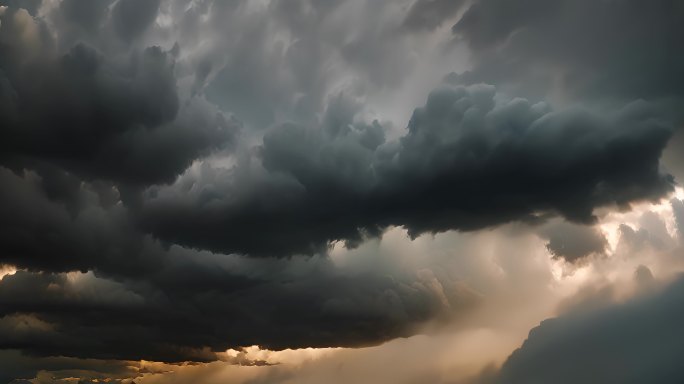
pixel 341 191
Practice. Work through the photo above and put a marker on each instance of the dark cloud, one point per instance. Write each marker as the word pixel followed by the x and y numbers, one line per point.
pixel 154 302
pixel 657 229
pixel 587 49
pixel 87 122
pixel 102 118
pixel 635 342
pixel 88 15
pixel 573 242
pixel 195 305
pixel 430 14
pixel 51 224
pixel 21 368
pixel 673 157
pixel 644 277
pixel 465 163
pixel 132 17
pixel 31 6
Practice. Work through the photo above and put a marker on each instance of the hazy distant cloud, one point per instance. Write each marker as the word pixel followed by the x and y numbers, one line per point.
pixel 92 112
pixel 678 209
pixel 29 5
pixel 635 342
pixel 640 239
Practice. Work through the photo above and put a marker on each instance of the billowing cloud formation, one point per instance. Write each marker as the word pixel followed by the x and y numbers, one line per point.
pixel 601 52
pixel 146 294
pixel 466 163
pixel 150 302
pixel 113 118
pixel 169 319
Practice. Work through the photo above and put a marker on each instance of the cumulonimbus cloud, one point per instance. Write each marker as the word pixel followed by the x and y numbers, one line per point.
pixel 466 162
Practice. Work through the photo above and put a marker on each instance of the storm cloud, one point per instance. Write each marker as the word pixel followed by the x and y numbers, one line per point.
pixel 118 119
pixel 465 163
pixel 169 318
pixel 587 50
pixel 149 301
pixel 181 178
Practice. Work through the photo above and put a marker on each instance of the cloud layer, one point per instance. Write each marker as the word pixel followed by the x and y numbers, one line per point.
pixel 465 163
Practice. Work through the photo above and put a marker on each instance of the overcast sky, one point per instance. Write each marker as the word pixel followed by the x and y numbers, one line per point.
pixel 352 191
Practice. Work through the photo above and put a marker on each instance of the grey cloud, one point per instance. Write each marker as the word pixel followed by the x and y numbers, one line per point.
pixel 635 342
pixel 430 14
pixel 573 242
pixel 88 121
pixel 50 224
pixel 673 158
pixel 678 210
pixel 31 6
pixel 644 277
pixel 465 163
pixel 639 239
pixel 152 301
pixel 102 118
pixel 588 49
pixel 18 368
pixel 88 15
pixel 133 17
pixel 195 305
pixel 282 61
pixel 244 81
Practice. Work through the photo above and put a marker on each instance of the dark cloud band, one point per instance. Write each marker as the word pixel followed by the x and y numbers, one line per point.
pixel 465 163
